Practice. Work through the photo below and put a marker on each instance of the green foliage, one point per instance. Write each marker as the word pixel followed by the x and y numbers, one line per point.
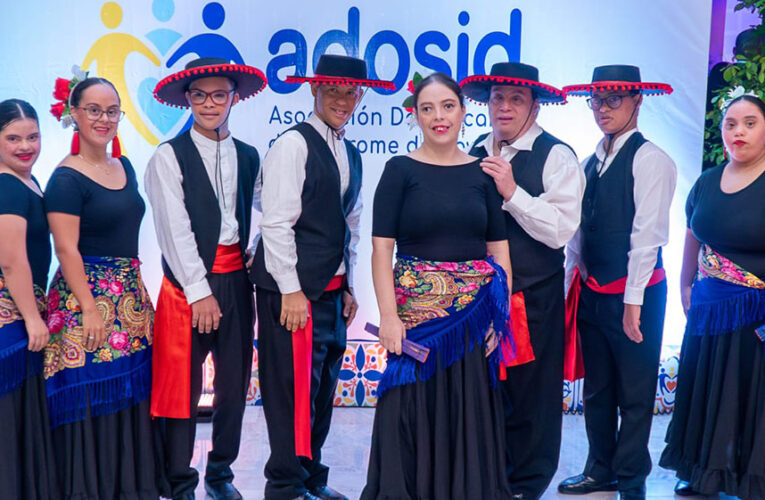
pixel 748 72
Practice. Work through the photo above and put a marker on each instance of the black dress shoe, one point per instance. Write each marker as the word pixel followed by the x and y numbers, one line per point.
pixel 518 496
pixel 581 485
pixel 187 496
pixel 683 489
pixel 222 491
pixel 306 496
pixel 327 493
pixel 633 494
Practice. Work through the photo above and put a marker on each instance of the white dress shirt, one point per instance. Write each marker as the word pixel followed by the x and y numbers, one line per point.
pixel 655 177
pixel 553 217
pixel 281 185
pixel 171 220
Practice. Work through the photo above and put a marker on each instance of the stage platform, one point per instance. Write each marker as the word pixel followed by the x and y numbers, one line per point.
pixel 347 452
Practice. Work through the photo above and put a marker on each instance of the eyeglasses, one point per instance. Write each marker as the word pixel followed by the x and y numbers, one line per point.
pixel 612 101
pixel 94 113
pixel 197 96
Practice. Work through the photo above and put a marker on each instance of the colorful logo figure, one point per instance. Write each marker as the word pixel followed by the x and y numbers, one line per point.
pixel 110 52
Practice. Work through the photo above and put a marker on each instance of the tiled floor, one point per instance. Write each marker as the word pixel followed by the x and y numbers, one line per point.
pixel 347 452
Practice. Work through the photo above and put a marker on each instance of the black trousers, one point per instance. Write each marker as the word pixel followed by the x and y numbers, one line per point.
pixel 289 475
pixel 620 381
pixel 231 347
pixel 533 393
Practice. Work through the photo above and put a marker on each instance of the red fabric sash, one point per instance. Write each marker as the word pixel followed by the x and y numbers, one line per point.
pixel 573 364
pixel 524 353
pixel 171 385
pixel 228 258
pixel 302 354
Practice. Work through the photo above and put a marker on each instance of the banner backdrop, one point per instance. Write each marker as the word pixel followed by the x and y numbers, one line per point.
pixel 136 43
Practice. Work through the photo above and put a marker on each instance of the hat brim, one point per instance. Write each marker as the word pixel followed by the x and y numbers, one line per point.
pixel 478 88
pixel 645 88
pixel 172 89
pixel 341 80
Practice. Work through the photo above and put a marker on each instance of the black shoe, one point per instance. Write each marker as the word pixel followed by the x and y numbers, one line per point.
pixel 683 489
pixel 518 496
pixel 187 496
pixel 222 491
pixel 581 485
pixel 633 494
pixel 327 493
pixel 306 496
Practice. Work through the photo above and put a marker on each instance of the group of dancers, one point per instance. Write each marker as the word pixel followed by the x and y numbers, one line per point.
pixel 511 261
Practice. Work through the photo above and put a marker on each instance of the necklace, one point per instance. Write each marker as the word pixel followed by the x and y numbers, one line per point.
pixel 107 168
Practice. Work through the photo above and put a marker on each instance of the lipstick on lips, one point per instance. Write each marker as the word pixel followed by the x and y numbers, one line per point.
pixel 24 157
pixel 739 143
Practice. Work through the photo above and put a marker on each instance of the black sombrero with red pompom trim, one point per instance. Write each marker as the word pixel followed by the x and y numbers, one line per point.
pixel 478 87
pixel 172 89
pixel 617 77
pixel 341 70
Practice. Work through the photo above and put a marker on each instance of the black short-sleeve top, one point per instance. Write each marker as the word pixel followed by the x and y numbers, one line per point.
pixel 441 213
pixel 109 218
pixel 16 198
pixel 730 223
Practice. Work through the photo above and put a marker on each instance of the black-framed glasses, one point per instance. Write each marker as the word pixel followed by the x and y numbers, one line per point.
pixel 94 113
pixel 612 101
pixel 197 96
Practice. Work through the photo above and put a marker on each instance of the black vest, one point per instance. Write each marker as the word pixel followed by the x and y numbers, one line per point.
pixel 532 261
pixel 201 203
pixel 608 210
pixel 322 235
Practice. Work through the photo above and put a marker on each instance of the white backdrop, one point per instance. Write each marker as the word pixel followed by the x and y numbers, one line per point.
pixel 135 40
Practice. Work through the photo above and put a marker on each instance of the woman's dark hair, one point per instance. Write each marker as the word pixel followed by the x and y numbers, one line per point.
pixel 442 79
pixel 15 109
pixel 748 98
pixel 76 96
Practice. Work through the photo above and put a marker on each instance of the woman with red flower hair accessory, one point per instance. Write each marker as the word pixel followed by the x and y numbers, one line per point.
pixel 26 454
pixel 98 361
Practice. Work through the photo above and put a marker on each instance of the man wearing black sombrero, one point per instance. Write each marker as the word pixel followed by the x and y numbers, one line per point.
pixel 620 283
pixel 303 271
pixel 541 183
pixel 200 185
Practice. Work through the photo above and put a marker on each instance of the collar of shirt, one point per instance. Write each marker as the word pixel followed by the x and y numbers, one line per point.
pixel 207 147
pixel 329 134
pixel 600 150
pixel 523 143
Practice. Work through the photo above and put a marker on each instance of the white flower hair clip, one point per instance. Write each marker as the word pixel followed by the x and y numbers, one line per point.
pixel 735 93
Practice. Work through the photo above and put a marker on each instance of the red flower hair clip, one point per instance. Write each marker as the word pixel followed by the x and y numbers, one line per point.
pixel 61 92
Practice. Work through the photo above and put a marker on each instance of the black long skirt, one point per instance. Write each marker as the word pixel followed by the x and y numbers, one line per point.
pixel 107 457
pixel 440 439
pixel 27 467
pixel 716 440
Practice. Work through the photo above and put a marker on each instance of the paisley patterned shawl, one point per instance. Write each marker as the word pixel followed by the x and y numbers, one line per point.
pixel 725 297
pixel 117 374
pixel 447 307
pixel 16 362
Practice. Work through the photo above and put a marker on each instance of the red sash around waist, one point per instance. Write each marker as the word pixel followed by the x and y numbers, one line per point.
pixel 171 363
pixel 573 364
pixel 524 353
pixel 302 354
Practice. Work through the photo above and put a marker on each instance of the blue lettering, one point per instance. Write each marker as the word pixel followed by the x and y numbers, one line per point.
pixel 275 116
pixel 397 42
pixel 511 42
pixel 427 59
pixel 296 59
pixel 396 116
pixel 349 40
pixel 462 48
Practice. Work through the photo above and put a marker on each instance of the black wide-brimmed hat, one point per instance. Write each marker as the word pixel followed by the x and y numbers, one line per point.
pixel 478 87
pixel 172 89
pixel 341 70
pixel 617 77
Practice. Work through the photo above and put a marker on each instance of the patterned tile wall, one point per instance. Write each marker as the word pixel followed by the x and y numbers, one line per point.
pixel 364 362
